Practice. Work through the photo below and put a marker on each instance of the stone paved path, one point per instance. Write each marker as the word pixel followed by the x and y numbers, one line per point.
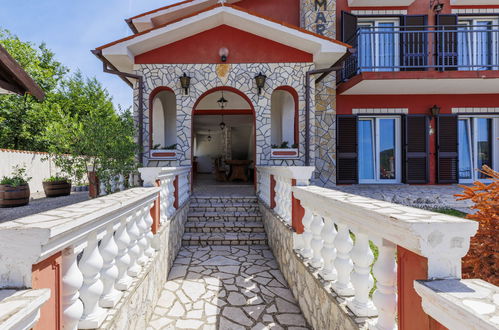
pixel 226 287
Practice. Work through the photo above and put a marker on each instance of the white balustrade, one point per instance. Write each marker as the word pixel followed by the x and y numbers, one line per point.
pixel 72 280
pixel 142 239
pixel 134 249
pixel 109 273
pixel 149 251
pixel 121 182
pixel 264 186
pixel 102 188
pixel 333 220
pixel 123 259
pixel 184 187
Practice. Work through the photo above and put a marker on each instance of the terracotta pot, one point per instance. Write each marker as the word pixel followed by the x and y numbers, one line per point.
pixel 14 196
pixel 57 188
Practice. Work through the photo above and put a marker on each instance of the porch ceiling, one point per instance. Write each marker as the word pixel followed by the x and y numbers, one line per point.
pixel 325 51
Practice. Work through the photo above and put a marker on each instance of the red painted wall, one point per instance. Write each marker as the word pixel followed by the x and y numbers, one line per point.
pixel 287 11
pixel 417 104
pixel 243 47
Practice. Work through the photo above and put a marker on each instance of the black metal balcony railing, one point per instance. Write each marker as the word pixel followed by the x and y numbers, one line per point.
pixel 419 48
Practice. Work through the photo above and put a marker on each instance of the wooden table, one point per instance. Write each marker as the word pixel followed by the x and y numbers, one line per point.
pixel 238 169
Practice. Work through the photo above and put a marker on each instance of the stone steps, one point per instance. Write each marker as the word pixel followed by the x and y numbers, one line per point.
pixel 219 220
pixel 224 227
pixel 229 238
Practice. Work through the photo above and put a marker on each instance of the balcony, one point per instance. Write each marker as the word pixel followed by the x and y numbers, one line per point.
pixel 423 60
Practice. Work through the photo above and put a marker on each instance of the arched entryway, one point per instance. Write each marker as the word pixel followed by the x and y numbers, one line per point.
pixel 223 137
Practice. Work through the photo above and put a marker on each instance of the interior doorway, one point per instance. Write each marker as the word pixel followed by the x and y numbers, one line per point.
pixel 223 139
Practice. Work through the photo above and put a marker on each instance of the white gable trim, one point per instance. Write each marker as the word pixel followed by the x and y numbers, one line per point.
pixel 325 52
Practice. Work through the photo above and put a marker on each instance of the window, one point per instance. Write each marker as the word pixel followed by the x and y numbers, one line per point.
pixel 379 149
pixel 378 44
pixel 477 43
pixel 478 145
pixel 283 116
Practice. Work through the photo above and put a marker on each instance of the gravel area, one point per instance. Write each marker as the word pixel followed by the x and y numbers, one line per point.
pixel 40 203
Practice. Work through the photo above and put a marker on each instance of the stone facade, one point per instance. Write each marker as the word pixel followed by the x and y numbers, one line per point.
pixel 322 308
pixel 205 77
pixel 319 16
pixel 135 308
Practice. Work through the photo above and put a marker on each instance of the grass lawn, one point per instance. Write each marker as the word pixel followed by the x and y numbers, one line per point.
pixel 453 212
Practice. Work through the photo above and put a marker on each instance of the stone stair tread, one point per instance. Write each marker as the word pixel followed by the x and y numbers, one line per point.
pixel 224 236
pixel 226 224
pixel 222 214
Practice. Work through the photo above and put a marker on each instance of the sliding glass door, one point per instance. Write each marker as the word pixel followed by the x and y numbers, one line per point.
pixel 477 146
pixel 379 149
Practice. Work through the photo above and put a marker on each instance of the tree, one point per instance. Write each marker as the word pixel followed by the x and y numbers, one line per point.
pixel 482 259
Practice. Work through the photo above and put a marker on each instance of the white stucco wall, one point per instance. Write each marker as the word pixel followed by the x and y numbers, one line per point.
pixel 282 117
pixel 35 166
pixel 164 122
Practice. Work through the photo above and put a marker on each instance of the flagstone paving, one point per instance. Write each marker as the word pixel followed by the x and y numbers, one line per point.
pixel 226 287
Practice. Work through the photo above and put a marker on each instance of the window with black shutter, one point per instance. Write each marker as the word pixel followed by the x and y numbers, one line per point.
pixel 348 28
pixel 446 42
pixel 416 160
pixel 413 43
pixel 447 149
pixel 346 149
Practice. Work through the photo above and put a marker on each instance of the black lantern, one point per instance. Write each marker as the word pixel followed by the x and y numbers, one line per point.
pixel 222 123
pixel 185 82
pixel 209 136
pixel 435 110
pixel 222 102
pixel 223 53
pixel 260 82
pixel 436 6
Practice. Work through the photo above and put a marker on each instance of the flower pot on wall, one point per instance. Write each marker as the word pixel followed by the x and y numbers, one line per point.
pixel 288 153
pixel 14 196
pixel 57 188
pixel 163 154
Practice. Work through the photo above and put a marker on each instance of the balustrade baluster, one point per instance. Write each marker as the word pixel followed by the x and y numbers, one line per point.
pixel 385 295
pixel 171 197
pixel 287 200
pixel 343 263
pixel 72 280
pixel 308 217
pixel 90 265
pixel 102 188
pixel 317 242
pixel 142 240
pixel 361 278
pixel 149 251
pixel 123 258
pixel 121 180
pixel 328 251
pixel 109 273
pixel 134 248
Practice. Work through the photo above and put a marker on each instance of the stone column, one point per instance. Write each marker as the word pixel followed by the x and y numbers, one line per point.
pixel 319 16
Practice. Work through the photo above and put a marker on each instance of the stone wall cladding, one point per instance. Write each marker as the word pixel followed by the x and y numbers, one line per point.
pixel 205 77
pixel 320 306
pixel 320 17
pixel 135 308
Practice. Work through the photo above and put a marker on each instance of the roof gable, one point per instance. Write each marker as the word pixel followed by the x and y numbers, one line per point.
pixel 203 47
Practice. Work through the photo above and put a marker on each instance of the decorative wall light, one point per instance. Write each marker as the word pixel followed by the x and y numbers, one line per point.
pixel 222 123
pixel 260 82
pixel 209 136
pixel 435 110
pixel 223 53
pixel 436 6
pixel 185 82
pixel 222 102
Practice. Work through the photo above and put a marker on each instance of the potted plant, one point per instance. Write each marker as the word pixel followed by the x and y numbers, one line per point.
pixel 283 151
pixel 57 186
pixel 14 189
pixel 163 153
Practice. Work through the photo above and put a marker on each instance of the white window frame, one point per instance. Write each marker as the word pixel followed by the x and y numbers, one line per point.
pixel 471 21
pixel 375 51
pixel 474 145
pixel 398 151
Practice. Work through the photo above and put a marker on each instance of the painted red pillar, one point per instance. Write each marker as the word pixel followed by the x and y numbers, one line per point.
pixel 272 191
pixel 47 274
pixel 175 185
pixel 155 211
pixel 297 212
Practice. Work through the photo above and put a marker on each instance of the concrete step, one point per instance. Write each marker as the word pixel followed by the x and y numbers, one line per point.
pixel 224 227
pixel 224 216
pixel 224 239
pixel 220 207
pixel 226 200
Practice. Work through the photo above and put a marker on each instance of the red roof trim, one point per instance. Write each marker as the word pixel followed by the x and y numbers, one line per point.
pixel 226 5
pixel 160 9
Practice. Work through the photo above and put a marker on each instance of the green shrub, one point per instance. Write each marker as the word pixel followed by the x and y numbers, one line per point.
pixel 18 177
pixel 56 179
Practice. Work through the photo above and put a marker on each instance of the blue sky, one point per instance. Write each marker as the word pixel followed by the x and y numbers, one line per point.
pixel 71 28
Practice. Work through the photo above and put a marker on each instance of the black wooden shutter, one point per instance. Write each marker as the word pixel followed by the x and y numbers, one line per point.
pixel 413 46
pixel 349 28
pixel 416 158
pixel 346 149
pixel 447 149
pixel 446 42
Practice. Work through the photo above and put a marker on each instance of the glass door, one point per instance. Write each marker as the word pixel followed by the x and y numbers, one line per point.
pixel 378 44
pixel 379 150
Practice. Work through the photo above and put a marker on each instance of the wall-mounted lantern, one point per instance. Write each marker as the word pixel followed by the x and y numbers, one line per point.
pixel 223 53
pixel 435 110
pixel 436 5
pixel 209 136
pixel 222 101
pixel 185 82
pixel 260 82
